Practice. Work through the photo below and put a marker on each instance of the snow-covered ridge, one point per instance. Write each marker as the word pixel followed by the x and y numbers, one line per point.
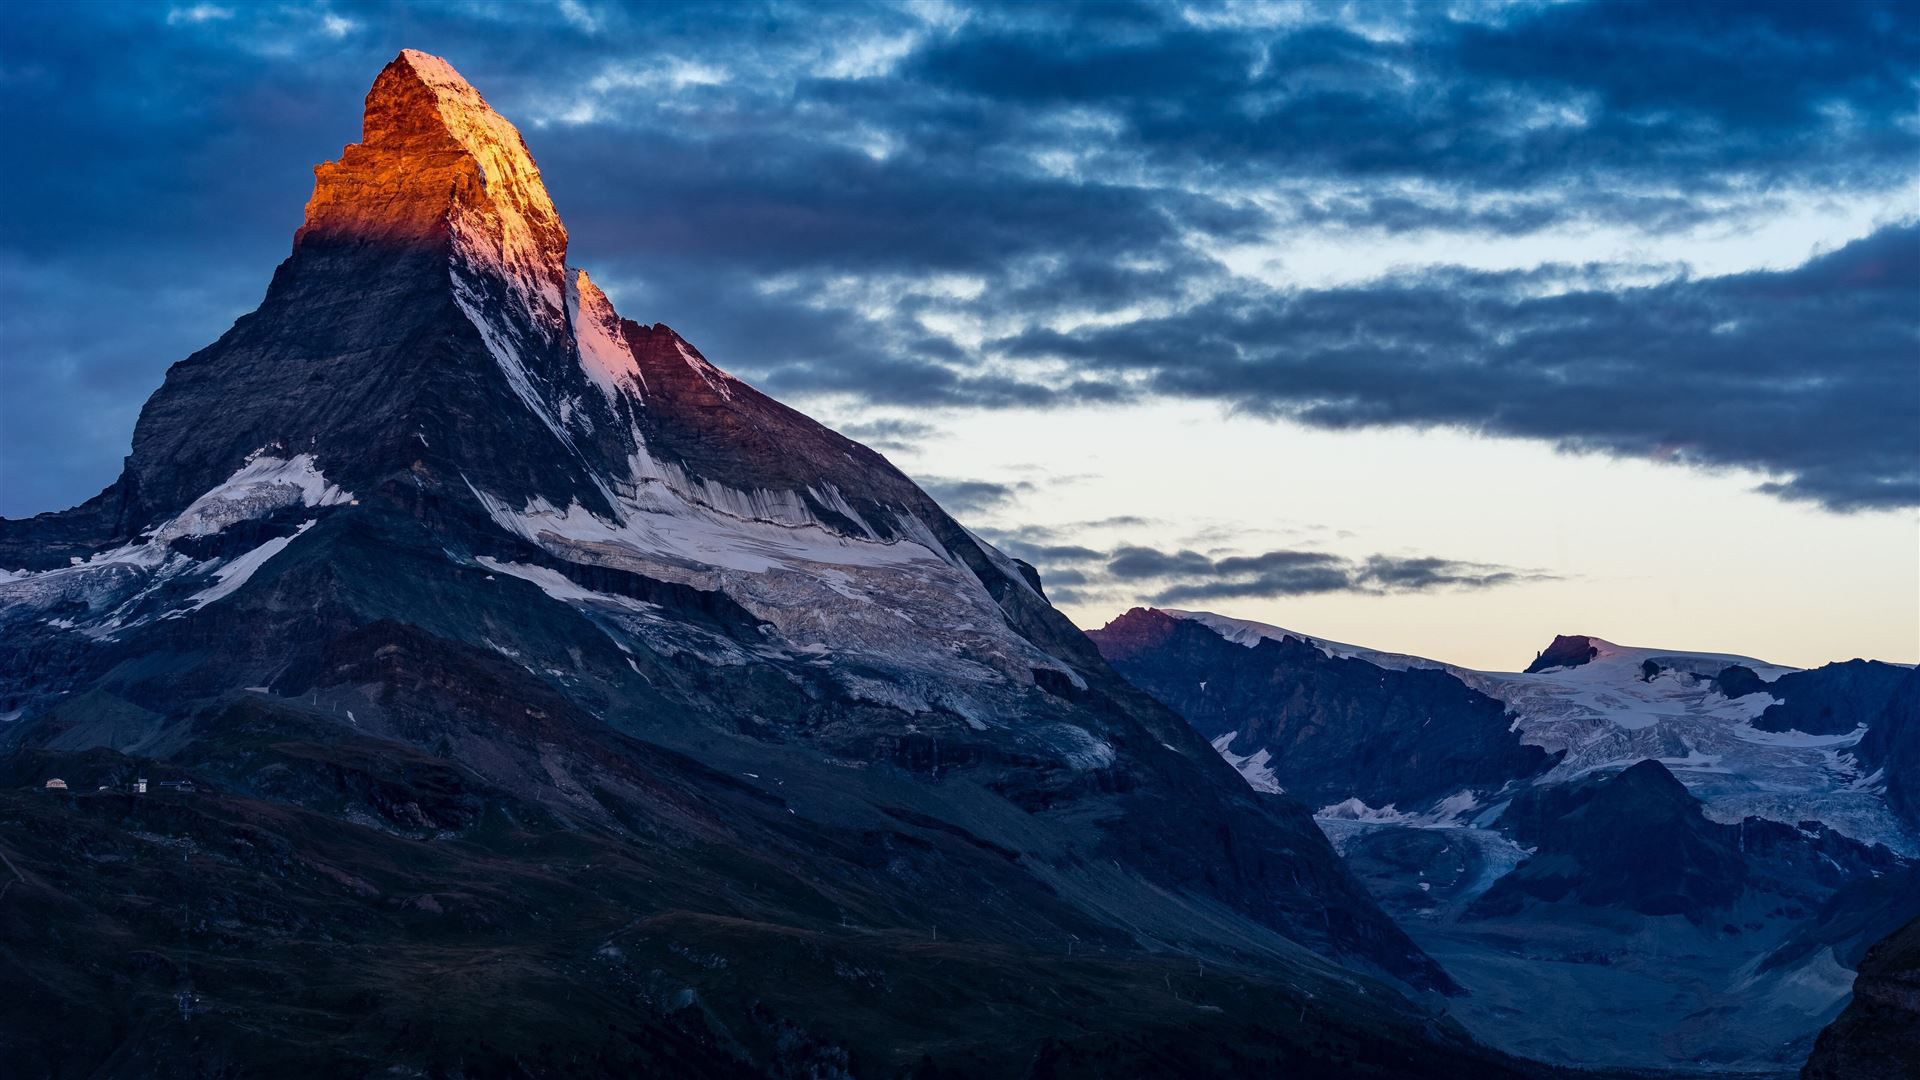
pixel 237 571
pixel 837 592
pixel 715 379
pixel 679 521
pixel 1249 633
pixel 1608 713
pixel 507 341
pixel 1448 812
pixel 604 353
pixel 121 586
pixel 560 586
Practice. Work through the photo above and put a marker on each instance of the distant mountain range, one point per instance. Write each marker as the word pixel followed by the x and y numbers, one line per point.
pixel 1746 736
pixel 1697 847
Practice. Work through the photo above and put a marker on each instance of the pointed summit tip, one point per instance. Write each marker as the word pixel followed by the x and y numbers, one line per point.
pixel 423 61
pixel 1566 651
pixel 422 82
pixel 433 70
pixel 438 167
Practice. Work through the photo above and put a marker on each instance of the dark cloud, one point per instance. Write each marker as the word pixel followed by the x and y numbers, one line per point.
pixel 963 498
pixel 1117 521
pixel 1132 572
pixel 889 433
pixel 814 197
pixel 1040 553
pixel 1304 573
pixel 1652 96
pixel 1427 572
pixel 1057 545
pixel 1811 373
pixel 1134 563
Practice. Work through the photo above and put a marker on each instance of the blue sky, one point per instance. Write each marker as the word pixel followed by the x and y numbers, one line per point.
pixel 1675 244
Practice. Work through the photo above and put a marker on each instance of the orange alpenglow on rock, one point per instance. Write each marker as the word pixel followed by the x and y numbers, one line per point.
pixel 437 165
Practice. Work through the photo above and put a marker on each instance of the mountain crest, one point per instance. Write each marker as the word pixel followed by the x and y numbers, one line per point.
pixel 437 164
pixel 1566 650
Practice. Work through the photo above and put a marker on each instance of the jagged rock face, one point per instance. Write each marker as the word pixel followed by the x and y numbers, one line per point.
pixel 1324 728
pixel 1858 914
pixel 1878 1036
pixel 436 544
pixel 434 159
pixel 1831 700
pixel 1638 841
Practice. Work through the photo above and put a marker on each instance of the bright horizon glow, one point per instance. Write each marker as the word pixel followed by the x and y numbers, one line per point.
pixel 1648 554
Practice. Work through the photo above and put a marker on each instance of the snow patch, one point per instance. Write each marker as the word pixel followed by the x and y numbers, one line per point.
pixel 117 585
pixel 561 587
pixel 1253 768
pixel 669 515
pixel 258 488
pixel 604 353
pixel 715 379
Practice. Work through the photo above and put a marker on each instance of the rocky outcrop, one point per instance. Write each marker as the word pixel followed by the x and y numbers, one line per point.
pixel 1565 651
pixel 1635 840
pixel 1857 915
pixel 1878 1036
pixel 1638 841
pixel 1831 700
pixel 1738 680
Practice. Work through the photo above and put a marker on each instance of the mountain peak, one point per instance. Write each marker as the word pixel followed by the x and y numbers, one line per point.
pixel 437 164
pixel 1651 779
pixel 508 169
pixel 1136 631
pixel 434 69
pixel 1566 650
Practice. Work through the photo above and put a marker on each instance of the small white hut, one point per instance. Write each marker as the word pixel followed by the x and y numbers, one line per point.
pixel 56 784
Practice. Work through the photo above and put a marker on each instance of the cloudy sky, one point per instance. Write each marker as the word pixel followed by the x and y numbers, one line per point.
pixel 1442 328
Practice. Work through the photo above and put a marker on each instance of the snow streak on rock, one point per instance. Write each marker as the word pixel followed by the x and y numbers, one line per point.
pixel 135 583
pixel 1251 766
pixel 604 353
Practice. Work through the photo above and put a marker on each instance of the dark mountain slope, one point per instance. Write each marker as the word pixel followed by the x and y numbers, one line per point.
pixel 1891 748
pixel 247 935
pixel 1638 841
pixel 1878 1036
pixel 511 641
pixel 1832 699
pixel 1333 728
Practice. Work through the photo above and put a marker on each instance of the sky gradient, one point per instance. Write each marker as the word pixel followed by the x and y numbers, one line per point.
pixel 1440 328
